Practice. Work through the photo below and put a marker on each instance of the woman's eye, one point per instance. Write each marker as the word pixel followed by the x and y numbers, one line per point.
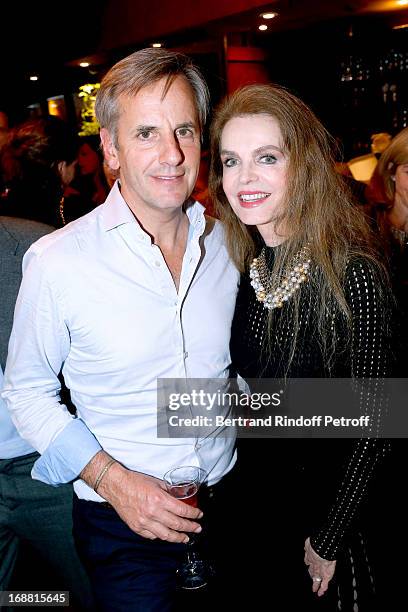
pixel 229 162
pixel 268 159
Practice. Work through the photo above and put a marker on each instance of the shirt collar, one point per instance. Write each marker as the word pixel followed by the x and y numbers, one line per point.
pixel 117 212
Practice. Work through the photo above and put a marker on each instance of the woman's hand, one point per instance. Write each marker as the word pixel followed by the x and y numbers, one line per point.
pixel 321 570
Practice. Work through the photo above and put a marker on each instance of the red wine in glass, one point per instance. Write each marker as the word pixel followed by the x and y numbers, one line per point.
pixel 183 483
pixel 186 492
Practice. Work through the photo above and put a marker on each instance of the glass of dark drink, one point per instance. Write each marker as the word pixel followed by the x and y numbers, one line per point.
pixel 183 483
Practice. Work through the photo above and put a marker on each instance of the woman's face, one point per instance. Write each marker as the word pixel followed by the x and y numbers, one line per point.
pixel 255 171
pixel 401 184
pixel 88 159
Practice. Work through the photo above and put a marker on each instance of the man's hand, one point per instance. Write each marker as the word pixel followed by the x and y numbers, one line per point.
pixel 142 502
pixel 321 570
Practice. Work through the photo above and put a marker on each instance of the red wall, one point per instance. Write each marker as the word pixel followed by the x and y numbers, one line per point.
pixel 245 65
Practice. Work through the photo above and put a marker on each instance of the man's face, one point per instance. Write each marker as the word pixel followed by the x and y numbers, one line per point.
pixel 158 146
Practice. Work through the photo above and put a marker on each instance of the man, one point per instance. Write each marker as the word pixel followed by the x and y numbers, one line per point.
pixel 141 288
pixel 30 511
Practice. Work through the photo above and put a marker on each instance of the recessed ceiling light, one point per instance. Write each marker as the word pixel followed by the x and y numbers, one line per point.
pixel 402 2
pixel 33 78
pixel 84 64
pixel 156 45
pixel 269 15
pixel 263 27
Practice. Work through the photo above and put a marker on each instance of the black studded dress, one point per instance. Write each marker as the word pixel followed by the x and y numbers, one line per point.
pixel 313 487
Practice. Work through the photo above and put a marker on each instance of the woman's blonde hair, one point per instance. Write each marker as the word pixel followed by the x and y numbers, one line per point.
pixel 382 184
pixel 380 192
pixel 317 208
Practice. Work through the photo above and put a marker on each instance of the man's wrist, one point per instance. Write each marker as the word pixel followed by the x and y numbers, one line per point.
pixel 109 486
pixel 103 473
pixel 92 469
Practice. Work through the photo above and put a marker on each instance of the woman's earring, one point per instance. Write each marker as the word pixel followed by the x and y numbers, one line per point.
pixel 393 178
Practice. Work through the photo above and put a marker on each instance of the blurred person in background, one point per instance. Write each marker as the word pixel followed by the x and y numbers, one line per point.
pixel 388 191
pixel 37 163
pixel 387 194
pixel 90 180
pixel 91 183
pixel 35 517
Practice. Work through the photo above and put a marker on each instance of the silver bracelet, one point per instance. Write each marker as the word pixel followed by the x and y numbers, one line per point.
pixel 102 474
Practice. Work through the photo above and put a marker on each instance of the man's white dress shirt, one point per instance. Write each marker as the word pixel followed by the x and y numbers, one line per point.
pixel 98 298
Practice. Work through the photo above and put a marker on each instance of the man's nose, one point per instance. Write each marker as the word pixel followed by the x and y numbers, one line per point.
pixel 170 151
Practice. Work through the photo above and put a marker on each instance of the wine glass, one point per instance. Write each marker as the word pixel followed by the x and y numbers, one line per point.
pixel 183 483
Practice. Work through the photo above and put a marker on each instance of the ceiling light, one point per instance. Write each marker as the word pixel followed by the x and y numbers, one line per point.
pixel 263 27
pixel 84 64
pixel 402 2
pixel 33 78
pixel 269 15
pixel 156 45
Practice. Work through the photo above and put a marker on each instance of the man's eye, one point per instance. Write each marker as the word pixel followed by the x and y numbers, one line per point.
pixel 183 132
pixel 145 135
pixel 229 162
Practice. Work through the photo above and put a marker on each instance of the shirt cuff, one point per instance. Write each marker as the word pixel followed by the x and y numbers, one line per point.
pixel 67 455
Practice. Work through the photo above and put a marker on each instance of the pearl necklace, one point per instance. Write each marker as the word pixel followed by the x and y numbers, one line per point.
pixel 261 279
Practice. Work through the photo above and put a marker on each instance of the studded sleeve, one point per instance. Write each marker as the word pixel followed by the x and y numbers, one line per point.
pixel 370 359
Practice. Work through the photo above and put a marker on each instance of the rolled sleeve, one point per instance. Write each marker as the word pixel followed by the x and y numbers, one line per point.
pixel 67 455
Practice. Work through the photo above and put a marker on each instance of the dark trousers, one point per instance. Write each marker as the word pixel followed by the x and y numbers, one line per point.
pixel 127 572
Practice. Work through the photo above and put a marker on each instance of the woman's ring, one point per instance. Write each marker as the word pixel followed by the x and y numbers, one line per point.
pixel 317 579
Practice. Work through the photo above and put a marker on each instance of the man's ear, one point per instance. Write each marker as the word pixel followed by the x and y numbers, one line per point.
pixel 109 150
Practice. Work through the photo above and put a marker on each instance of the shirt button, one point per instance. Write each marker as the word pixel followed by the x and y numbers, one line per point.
pixel 157 263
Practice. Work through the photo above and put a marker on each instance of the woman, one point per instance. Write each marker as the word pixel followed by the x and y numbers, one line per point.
pixel 37 163
pixel 287 216
pixel 91 182
pixel 90 186
pixel 388 195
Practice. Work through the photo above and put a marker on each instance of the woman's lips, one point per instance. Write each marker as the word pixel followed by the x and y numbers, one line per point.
pixel 252 199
